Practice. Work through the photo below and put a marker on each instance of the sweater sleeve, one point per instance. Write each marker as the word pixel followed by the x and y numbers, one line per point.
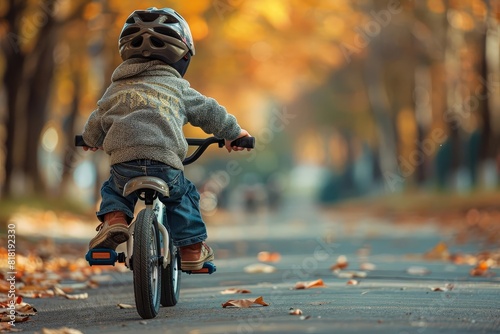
pixel 93 134
pixel 209 115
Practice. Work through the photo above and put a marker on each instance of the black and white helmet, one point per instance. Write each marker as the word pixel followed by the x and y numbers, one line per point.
pixel 157 34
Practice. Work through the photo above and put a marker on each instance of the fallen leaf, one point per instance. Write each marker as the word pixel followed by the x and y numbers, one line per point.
pixel 438 252
pixel 123 306
pixel 60 292
pixel 307 285
pixel 482 269
pixel 341 263
pixel 352 282
pixel 245 303
pixel 446 287
pixel 351 274
pixel 257 268
pixel 77 296
pixel 295 311
pixel 233 291
pixel 5 326
pixel 418 271
pixel 17 318
pixel 269 256
pixel 63 330
pixel 22 310
pixel 367 266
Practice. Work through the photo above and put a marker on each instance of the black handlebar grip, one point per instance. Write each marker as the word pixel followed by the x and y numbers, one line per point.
pixel 79 141
pixel 247 142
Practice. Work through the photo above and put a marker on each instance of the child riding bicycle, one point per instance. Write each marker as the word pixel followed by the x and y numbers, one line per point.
pixel 138 123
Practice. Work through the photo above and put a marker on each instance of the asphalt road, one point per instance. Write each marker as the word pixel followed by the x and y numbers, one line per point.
pixel 390 299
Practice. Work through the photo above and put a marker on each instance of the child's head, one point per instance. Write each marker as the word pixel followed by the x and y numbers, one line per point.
pixel 157 34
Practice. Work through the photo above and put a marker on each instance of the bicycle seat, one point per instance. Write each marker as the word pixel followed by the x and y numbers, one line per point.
pixel 146 182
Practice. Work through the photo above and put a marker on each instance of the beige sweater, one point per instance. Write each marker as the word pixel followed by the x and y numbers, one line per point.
pixel 141 115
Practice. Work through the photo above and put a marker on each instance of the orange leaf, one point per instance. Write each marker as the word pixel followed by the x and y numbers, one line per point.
pixel 341 263
pixel 269 256
pixel 245 303
pixel 439 252
pixel 233 291
pixel 481 269
pixel 307 285
pixel 352 282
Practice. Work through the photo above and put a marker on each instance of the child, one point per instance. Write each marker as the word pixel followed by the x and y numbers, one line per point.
pixel 139 121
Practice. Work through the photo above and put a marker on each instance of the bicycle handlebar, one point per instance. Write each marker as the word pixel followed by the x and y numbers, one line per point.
pixel 203 144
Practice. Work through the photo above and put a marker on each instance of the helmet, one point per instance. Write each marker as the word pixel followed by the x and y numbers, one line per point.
pixel 157 34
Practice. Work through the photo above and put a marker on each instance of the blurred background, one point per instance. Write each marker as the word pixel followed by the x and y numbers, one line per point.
pixel 371 102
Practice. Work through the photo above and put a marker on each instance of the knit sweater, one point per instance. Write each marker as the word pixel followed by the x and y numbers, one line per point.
pixel 141 115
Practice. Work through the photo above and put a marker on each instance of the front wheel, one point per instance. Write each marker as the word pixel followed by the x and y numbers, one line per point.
pixel 146 264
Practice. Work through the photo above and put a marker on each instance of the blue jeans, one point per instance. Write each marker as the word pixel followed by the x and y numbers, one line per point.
pixel 183 210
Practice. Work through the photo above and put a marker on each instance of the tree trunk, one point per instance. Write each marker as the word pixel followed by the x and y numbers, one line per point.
pixel 490 99
pixel 12 80
pixel 454 101
pixel 40 77
pixel 377 96
pixel 69 132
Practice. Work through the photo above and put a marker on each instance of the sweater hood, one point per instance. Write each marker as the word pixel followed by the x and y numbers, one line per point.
pixel 139 66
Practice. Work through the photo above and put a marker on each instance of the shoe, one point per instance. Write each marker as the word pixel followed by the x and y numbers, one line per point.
pixel 112 232
pixel 193 256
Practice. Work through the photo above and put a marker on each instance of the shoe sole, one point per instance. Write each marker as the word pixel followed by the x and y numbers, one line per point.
pixel 195 265
pixel 110 240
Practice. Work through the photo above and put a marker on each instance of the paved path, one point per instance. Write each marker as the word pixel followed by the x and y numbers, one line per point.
pixel 388 300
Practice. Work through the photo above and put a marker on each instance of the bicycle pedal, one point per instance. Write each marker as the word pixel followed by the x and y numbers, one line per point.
pixel 103 256
pixel 208 268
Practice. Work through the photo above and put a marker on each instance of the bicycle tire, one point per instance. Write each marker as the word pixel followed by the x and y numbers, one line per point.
pixel 171 279
pixel 146 267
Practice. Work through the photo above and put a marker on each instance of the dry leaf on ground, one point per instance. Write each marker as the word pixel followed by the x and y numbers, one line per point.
pixel 125 306
pixel 307 285
pixel 63 330
pixel 22 309
pixel 482 269
pixel 341 263
pixel 269 256
pixel 352 282
pixel 438 252
pixel 233 291
pixel 446 287
pixel 351 274
pixel 367 266
pixel 60 292
pixel 245 303
pixel 258 268
pixel 418 271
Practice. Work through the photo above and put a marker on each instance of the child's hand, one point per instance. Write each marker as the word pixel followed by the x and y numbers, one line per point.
pixel 229 148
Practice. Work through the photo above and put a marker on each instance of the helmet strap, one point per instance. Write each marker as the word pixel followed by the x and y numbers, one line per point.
pixel 181 65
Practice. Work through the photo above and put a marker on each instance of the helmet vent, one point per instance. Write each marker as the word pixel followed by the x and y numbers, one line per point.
pixel 166 31
pixel 130 31
pixel 130 20
pixel 136 42
pixel 148 16
pixel 157 42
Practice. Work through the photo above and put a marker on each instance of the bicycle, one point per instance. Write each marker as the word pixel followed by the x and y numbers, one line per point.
pixel 150 255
